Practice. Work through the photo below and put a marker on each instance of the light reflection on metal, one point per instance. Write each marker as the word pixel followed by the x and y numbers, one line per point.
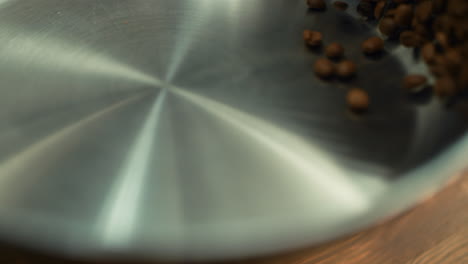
pixel 120 216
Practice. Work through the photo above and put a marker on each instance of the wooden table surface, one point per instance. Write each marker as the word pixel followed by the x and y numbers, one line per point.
pixel 434 232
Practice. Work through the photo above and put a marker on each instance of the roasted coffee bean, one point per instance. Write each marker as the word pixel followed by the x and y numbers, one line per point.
pixel 324 68
pixel 366 9
pixel 373 45
pixel 400 1
pixel 318 5
pixel 307 34
pixel 442 23
pixel 379 8
pixel 460 31
pixel 440 66
pixel 404 15
pixel 358 100
pixel 458 8
pixel 390 13
pixel 437 70
pixel 346 69
pixel 415 22
pixel 453 60
pixel 442 39
pixel 463 77
pixel 313 38
pixel 439 6
pixel 388 26
pixel 414 82
pixel 428 53
pixel 423 31
pixel 463 50
pixel 340 5
pixel 334 51
pixel 410 39
pixel 423 11
pixel 445 87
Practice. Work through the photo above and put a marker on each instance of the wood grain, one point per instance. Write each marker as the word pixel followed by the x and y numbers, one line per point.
pixel 435 232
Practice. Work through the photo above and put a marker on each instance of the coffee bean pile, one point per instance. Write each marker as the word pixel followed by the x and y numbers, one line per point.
pixel 437 29
pixel 335 66
pixel 325 68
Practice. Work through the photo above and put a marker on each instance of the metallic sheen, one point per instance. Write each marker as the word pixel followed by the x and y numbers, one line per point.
pixel 196 129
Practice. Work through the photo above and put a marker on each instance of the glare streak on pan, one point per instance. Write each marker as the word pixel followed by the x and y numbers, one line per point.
pixel 306 158
pixel 121 209
pixel 65 56
pixel 36 153
pixel 187 36
pixel 233 14
pixel 4 2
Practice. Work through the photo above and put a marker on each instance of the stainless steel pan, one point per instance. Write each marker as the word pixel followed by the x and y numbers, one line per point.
pixel 196 129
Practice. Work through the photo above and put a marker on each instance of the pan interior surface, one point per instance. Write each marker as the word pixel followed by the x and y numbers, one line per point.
pixel 197 128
